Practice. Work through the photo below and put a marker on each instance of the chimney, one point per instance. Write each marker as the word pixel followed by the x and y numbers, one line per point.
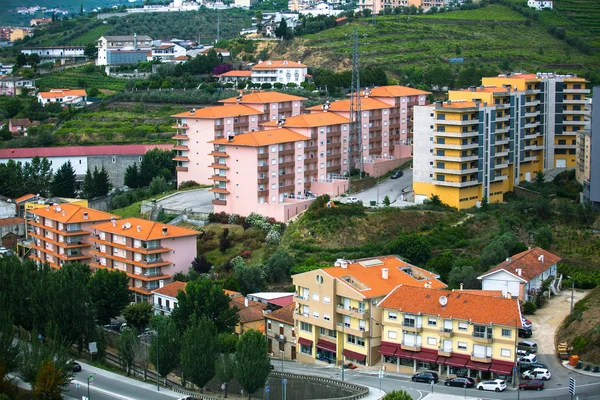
pixel 161 283
pixel 192 111
pixel 114 221
pixel 508 295
pixel 384 273
pixel 344 264
pixel 85 215
pixel 164 230
pixel 245 302
pixel 541 258
pixel 139 228
pixel 135 41
pixel 461 286
pixel 519 270
pixel 507 259
pixel 230 138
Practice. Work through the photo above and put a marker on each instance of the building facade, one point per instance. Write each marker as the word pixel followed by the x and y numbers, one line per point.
pixel 61 233
pixel 63 96
pixel 164 299
pixel 337 318
pixel 540 4
pixel 453 333
pixel 483 141
pixel 591 186
pixel 59 55
pixel 277 71
pixel 14 85
pixel 121 50
pixel 281 333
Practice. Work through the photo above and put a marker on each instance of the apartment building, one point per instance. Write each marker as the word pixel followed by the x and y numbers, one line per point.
pixel 59 55
pixel 336 316
pixel 165 297
pixel 273 105
pixel 281 333
pixel 484 140
pixel 61 233
pixel 456 333
pixel 149 252
pixel 591 155
pixel 121 50
pixel 279 71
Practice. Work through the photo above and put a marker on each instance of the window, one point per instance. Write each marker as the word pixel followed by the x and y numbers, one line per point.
pixel 306 327
pixel 392 335
pixel 505 352
pixel 432 341
pixel 332 333
pixel 322 331
pixel 432 322
pixel 326 299
pixel 463 326
pixel 319 279
pixel 392 316
pixel 506 333
pixel 268 325
pixel 305 349
pixel 315 296
pixel 315 314
pixel 326 317
pixel 462 346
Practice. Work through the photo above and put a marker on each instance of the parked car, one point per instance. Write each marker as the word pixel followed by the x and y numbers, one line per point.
pixel 76 367
pixel 5 252
pixel 526 323
pixel 352 200
pixel 524 365
pixel 426 377
pixel 497 385
pixel 525 333
pixel 460 381
pixel 397 174
pixel 115 326
pixel 527 345
pixel 534 384
pixel 188 398
pixel 531 358
pixel 521 353
pixel 537 373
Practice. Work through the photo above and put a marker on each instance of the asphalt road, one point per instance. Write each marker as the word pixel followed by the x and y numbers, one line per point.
pixel 393 188
pixel 199 200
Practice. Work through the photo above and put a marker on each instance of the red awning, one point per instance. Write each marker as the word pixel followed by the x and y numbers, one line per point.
pixel 478 366
pixel 354 355
pixel 403 353
pixel 502 367
pixel 325 345
pixel 457 361
pixel 305 342
pixel 387 350
pixel 441 360
pixel 426 355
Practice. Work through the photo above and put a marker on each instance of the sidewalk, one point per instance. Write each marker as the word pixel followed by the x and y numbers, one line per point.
pixel 374 394
pixel 580 371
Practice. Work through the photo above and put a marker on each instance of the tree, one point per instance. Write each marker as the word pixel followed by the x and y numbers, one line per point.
pixel 63 184
pixel 158 185
pixel 442 264
pixel 101 182
pixel 156 162
pixel 281 30
pixel 224 240
pixel 227 342
pixel 132 176
pixel 38 352
pixel 465 274
pixel 397 395
pixel 199 350
pixel 543 238
pixel 138 315
pixel 50 381
pixel 278 266
pixel 141 356
pixel 89 191
pixel 126 345
pixel 253 365
pixel 37 175
pixel 250 277
pixel 201 265
pixel 205 298
pixel 109 293
pixel 414 247
pixel 165 346
pixel 386 201
pixel 225 369
pixel 9 349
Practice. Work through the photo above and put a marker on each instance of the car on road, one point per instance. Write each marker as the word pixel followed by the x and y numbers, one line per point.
pixel 524 365
pixel 525 333
pixel 497 385
pixel 460 381
pixel 397 174
pixel 76 367
pixel 528 345
pixel 537 373
pixel 534 384
pixel 352 200
pixel 115 326
pixel 188 398
pixel 5 252
pixel 426 377
pixel 530 358
pixel 526 323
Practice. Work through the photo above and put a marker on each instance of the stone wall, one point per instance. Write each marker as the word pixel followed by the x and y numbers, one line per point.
pixel 115 166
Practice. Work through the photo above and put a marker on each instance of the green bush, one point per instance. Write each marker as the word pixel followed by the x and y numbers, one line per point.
pixel 579 344
pixel 529 308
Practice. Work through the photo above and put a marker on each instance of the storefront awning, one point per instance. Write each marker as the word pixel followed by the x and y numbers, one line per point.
pixel 403 353
pixel 502 367
pixel 387 349
pixel 477 366
pixel 325 345
pixel 426 355
pixel 305 342
pixel 354 355
pixel 457 361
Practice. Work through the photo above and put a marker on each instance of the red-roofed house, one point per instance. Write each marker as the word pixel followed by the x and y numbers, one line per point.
pixel 165 297
pixel 280 332
pixel 234 76
pixel 10 230
pixel 250 313
pixel 62 96
pixel 522 274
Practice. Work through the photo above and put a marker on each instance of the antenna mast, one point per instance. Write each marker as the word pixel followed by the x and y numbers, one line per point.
pixel 356 158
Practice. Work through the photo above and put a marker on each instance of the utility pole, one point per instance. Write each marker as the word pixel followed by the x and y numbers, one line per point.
pixel 218 27
pixel 356 160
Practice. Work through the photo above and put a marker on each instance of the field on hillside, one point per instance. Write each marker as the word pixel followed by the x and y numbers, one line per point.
pixel 495 37
pixel 585 13
pixel 82 77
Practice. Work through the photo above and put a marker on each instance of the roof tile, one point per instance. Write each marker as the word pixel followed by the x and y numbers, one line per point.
pixel 172 289
pixel 82 151
pixel 216 112
pixel 311 120
pixel 261 97
pixel 71 213
pixel 144 230
pixel 262 138
pixel 366 104
pixel 531 263
pixel 284 314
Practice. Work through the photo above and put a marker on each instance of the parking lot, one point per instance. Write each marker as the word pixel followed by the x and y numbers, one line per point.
pixel 395 189
pixel 199 200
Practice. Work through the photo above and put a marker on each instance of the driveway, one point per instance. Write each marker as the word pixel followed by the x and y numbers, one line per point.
pixel 393 188
pixel 546 322
pixel 199 200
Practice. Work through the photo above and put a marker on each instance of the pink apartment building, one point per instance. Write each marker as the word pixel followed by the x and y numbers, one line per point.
pixel 196 128
pixel 149 252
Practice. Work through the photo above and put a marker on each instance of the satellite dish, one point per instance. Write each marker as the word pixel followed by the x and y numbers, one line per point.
pixel 443 300
pixel 127 225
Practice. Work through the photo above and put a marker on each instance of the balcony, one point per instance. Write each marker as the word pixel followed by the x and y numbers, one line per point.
pixel 467 146
pixel 574 112
pixel 217 202
pixel 532 114
pixel 498 178
pixel 411 327
pixel 502 119
pixel 360 332
pixel 218 166
pixel 502 130
pixel 456 171
pixel 181 168
pixel 482 338
pixel 565 146
pixel 218 154
pixel 568 122
pixel 180 126
pixel 532 103
pixel 502 141
pixel 530 158
pixel 486 360
pixel 351 311
pixel 457 134
pixel 444 353
pixel 181 148
pixel 181 158
pixel 501 165
pixel 474 182
pixel 530 125
pixel 457 122
pixel 501 153
pixel 576 91
pixel 180 137
pixel 413 347
pixel 582 101
pixel 457 158
pixel 446 333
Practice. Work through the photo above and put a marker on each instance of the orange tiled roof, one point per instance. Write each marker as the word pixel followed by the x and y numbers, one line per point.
pixel 486 89
pixel 519 76
pixel 489 293
pixel 25 197
pixel 172 289
pixel 239 302
pixel 366 104
pixel 55 93
pixel 235 73
pixel 143 229
pixel 218 112
pixel 71 213
pixel 395 91
pixel 231 293
pixel 251 314
pixel 368 279
pixel 262 97
pixel 530 263
pixel 180 58
pixel 458 104
pixel 463 306
pixel 274 64
pixel 312 120
pixel 284 314
pixel 263 138
pixel 11 221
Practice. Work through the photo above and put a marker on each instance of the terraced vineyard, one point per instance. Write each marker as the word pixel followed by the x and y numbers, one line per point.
pixel 83 77
pixel 494 37
pixel 585 13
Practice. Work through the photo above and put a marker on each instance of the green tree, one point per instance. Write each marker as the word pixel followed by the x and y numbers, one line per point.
pixel 38 352
pixel 91 51
pixel 199 350
pixel 126 345
pixel 225 369
pixel 227 342
pixel 253 365
pixel 9 349
pixel 386 201
pixel 205 298
pixel 138 315
pixel 156 162
pixel 37 176
pixel 465 274
pixel 101 182
pixel 201 265
pixel 50 381
pixel 109 293
pixel 11 176
pixel 89 191
pixel 224 240
pixel 543 238
pixel 278 266
pixel 63 183
pixel 158 185
pixel 165 346
pixel 250 277
pixel 132 176
pixel 442 264
pixel 414 247
pixel 281 30
pixel 397 395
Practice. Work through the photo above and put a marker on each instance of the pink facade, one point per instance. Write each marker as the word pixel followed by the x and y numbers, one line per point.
pixel 183 252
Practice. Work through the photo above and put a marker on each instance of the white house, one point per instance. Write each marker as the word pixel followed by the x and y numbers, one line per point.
pixel 244 3
pixel 167 51
pixel 119 50
pixel 272 71
pixel 540 4
pixel 164 299
pixel 522 274
pixel 63 96
pixel 60 54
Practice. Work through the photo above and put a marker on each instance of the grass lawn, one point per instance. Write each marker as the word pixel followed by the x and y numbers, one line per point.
pixel 252 240
pixel 131 211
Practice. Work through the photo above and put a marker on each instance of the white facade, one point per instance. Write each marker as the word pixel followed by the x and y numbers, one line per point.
pixel 244 3
pixel 56 52
pixel 163 304
pixel 540 4
pixel 279 72
pixel 167 51
pixel 515 285
pixel 424 121
pixel 132 42
pixel 8 208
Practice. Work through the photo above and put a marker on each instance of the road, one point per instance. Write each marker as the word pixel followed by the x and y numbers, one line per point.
pixel 393 188
pixel 199 200
pixel 110 386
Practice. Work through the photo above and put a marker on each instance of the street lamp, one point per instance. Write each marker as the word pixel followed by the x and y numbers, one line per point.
pixel 155 332
pixel 572 292
pixel 89 379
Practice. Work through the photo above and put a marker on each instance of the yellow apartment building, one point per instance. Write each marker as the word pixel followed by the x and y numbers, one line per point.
pixel 453 333
pixel 337 318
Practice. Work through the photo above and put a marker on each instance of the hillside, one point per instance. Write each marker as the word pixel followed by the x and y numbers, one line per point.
pixel 585 13
pixel 495 38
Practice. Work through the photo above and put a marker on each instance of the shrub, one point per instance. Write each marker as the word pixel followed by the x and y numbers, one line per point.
pixel 158 185
pixel 579 344
pixel 224 241
pixel 246 254
pixel 529 308
pixel 273 237
pixel 221 218
pixel 188 184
